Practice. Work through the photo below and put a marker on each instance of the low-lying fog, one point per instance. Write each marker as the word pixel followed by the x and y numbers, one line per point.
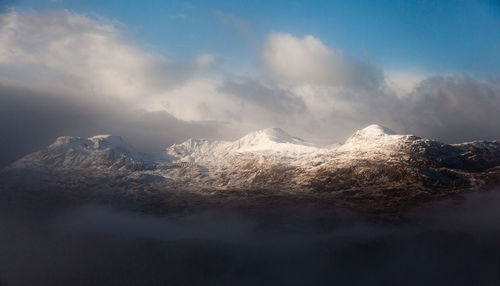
pixel 453 242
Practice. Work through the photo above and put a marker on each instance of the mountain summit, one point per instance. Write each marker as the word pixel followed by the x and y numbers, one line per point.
pixel 371 132
pixel 272 139
pixel 374 130
pixel 269 135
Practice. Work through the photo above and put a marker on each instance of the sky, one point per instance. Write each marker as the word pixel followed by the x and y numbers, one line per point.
pixel 160 72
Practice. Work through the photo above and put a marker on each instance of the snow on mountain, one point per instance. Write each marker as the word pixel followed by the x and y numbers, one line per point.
pixel 260 148
pixel 98 142
pixel 268 144
pixel 372 131
pixel 97 151
pixel 193 150
pixel 374 140
pixel 267 139
pixel 271 142
pixel 374 165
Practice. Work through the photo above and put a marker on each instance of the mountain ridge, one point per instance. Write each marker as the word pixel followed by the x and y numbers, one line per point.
pixel 375 168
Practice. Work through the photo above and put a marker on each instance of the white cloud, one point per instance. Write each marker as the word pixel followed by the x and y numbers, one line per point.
pixel 309 60
pixel 403 82
pixel 85 54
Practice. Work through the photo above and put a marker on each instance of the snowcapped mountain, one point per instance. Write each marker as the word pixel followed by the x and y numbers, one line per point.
pixel 69 152
pixel 375 168
pixel 271 142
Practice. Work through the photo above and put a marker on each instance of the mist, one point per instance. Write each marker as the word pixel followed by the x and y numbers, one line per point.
pixel 449 242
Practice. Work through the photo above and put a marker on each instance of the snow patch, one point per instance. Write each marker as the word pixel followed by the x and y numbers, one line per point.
pixel 273 140
pixel 371 131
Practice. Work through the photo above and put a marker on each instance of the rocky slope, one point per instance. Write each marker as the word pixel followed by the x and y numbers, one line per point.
pixel 375 169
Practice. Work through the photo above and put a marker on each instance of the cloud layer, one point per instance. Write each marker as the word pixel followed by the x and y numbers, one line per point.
pixel 64 73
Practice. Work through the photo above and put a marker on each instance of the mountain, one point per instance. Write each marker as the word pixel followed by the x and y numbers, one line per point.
pixel 375 169
pixel 270 142
pixel 74 152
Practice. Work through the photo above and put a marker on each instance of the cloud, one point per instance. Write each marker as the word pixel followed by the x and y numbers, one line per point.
pixel 273 99
pixel 244 104
pixel 308 60
pixel 402 82
pixel 75 52
pixel 453 108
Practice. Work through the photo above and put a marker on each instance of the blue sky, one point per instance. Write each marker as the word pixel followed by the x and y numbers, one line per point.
pixel 432 36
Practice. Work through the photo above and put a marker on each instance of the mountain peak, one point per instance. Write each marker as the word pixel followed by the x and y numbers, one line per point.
pixel 269 139
pixel 269 136
pixel 376 130
pixel 110 141
pixel 96 142
pixel 274 134
pixel 373 131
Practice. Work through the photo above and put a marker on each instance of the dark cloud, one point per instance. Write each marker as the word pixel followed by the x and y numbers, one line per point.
pixel 31 120
pixel 453 109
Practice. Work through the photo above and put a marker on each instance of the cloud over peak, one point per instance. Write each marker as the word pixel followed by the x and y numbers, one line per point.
pixel 309 60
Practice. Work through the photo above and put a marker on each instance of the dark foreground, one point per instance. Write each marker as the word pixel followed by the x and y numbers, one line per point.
pixel 452 242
